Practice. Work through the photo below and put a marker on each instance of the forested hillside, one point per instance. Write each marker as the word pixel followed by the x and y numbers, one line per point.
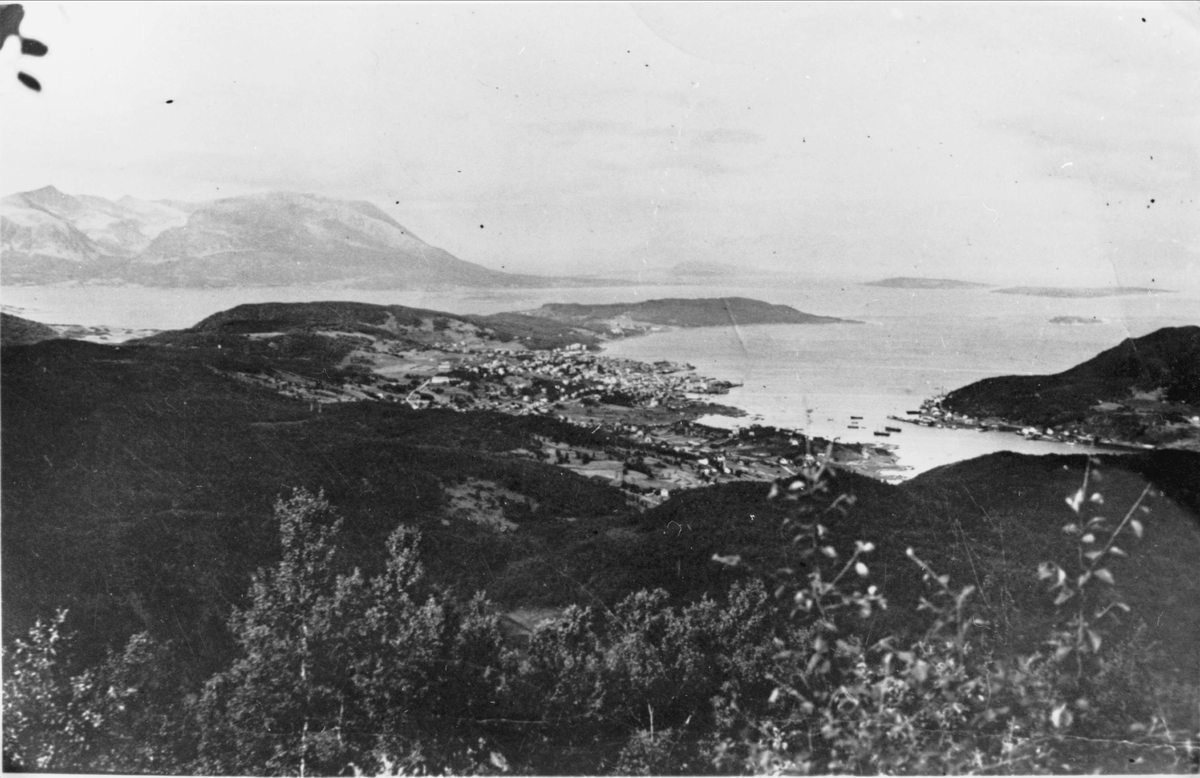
pixel 273 585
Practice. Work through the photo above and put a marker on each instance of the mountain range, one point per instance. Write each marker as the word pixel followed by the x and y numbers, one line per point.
pixel 271 239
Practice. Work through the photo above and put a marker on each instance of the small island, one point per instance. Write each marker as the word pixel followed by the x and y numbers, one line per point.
pixel 1076 320
pixel 1080 291
pixel 908 282
pixel 707 269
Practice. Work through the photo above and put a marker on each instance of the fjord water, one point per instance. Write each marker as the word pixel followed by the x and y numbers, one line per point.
pixel 910 344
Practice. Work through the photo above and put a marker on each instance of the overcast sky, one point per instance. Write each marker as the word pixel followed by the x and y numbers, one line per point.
pixel 1006 142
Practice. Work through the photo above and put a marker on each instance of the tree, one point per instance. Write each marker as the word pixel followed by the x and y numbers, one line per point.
pixel 281 706
pixel 427 669
pixel 338 673
pixel 123 715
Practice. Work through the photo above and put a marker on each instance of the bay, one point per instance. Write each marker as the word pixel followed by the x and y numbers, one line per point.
pixel 909 344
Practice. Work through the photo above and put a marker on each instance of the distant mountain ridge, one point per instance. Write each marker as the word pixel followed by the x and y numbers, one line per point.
pixel 271 239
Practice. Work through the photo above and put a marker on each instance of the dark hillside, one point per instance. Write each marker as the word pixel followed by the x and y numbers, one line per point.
pixel 1167 360
pixel 350 316
pixel 538 331
pixel 16 331
pixel 672 546
pixel 392 322
pixel 987 522
pixel 1005 513
pixel 138 485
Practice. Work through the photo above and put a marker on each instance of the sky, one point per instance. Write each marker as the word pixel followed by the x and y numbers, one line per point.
pixel 1045 144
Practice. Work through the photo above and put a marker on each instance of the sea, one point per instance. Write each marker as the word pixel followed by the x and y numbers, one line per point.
pixel 900 347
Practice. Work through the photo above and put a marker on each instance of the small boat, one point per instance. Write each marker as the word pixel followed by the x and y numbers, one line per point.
pixel 856 417
pixel 882 434
pixel 913 413
pixel 892 429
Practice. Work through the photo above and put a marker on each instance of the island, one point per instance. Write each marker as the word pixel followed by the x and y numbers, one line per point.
pixel 1080 291
pixel 1076 320
pixel 637 318
pixel 908 282
pixel 709 269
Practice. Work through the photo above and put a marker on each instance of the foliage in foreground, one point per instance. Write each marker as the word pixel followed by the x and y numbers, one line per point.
pixel 340 674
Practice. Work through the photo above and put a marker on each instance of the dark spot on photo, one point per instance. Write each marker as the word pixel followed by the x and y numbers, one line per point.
pixel 33 48
pixel 29 81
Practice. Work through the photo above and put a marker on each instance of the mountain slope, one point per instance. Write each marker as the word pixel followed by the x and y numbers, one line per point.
pixel 273 239
pixel 16 331
pixel 1156 376
pixel 281 238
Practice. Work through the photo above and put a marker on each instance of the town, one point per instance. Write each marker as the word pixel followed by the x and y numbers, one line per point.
pixel 646 414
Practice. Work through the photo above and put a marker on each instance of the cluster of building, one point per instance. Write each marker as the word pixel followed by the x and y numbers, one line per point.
pixel 647 409
pixel 932 414
pixel 543 377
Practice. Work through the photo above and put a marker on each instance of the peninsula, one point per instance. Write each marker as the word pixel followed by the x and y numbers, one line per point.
pixel 1144 392
pixel 637 318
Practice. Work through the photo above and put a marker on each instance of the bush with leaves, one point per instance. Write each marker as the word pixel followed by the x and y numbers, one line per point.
pixel 337 671
pixel 122 715
pixel 612 686
pixel 945 701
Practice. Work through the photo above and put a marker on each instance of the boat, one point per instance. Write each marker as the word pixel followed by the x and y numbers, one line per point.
pixel 913 413
pixel 856 417
pixel 882 434
pixel 892 429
